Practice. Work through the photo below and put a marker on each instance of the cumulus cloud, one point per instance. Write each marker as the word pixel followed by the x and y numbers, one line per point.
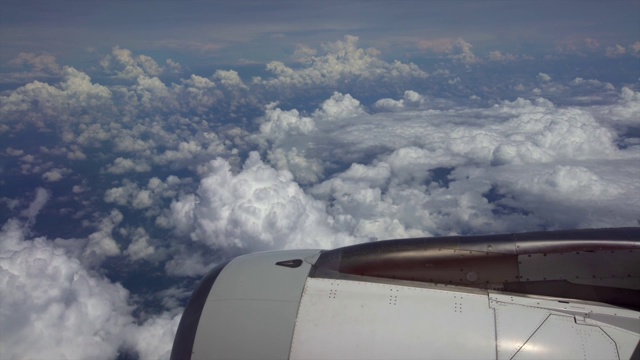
pixel 101 243
pixel 257 209
pixel 154 338
pixel 69 101
pixel 122 165
pixel 123 64
pixel 140 246
pixel 340 61
pixel 52 307
pixel 411 99
pixel 414 146
pixel 31 66
pixel 54 175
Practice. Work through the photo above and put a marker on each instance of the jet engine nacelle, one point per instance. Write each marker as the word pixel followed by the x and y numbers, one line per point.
pixel 552 295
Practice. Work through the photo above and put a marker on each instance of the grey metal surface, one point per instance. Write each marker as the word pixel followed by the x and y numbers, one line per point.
pixel 621 267
pixel 251 310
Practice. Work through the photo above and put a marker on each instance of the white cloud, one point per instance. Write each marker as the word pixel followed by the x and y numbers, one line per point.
pixel 338 107
pixel 624 112
pixel 42 196
pixel 154 338
pixel 341 61
pixel 28 66
pixel 52 307
pixel 149 197
pixel 257 209
pixel 409 100
pixel 101 243
pixel 414 166
pixel 229 78
pixel 124 65
pixel 544 77
pixel 122 165
pixel 140 246
pixel 54 175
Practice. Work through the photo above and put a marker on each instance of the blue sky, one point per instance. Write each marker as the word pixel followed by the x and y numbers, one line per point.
pixel 142 143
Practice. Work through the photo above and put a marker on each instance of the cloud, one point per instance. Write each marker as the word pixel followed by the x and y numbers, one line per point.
pixel 209 166
pixel 121 63
pixel 341 61
pixel 150 197
pixel 154 338
pixel 42 196
pixel 54 175
pixel 28 66
pixel 616 51
pixel 544 77
pixel 577 195
pixel 625 111
pixel 52 307
pixel 121 165
pixel 455 49
pixel 101 243
pixel 635 48
pixel 70 101
pixel 411 99
pixel 140 246
pixel 259 208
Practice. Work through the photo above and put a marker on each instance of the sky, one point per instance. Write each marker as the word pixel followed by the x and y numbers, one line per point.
pixel 144 142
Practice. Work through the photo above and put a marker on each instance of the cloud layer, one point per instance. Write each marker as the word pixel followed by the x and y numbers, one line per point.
pixel 118 193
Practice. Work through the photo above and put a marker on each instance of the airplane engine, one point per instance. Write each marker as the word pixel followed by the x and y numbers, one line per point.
pixel 544 295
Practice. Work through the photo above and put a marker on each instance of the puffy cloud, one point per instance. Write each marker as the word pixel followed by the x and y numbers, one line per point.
pixel 229 78
pixel 69 101
pixel 592 193
pixel 278 124
pixel 32 66
pixel 101 243
pixel 625 111
pixel 121 165
pixel 154 338
pixel 257 209
pixel 305 171
pixel 54 175
pixel 338 107
pixel 411 99
pixel 150 196
pixel 340 61
pixel 544 77
pixel 123 64
pixel 140 246
pixel 54 308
